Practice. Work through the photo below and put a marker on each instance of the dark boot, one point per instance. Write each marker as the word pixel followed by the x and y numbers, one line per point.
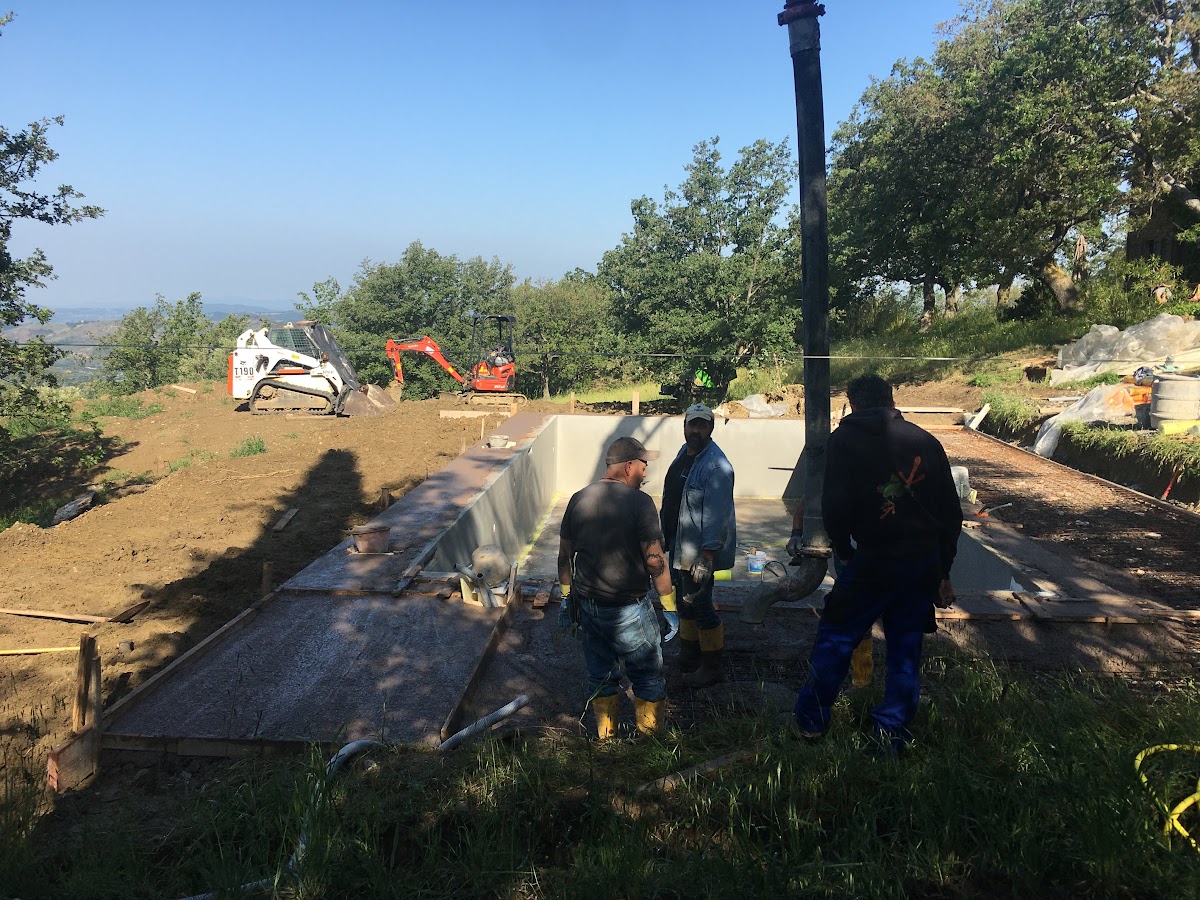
pixel 712 645
pixel 689 656
pixel 689 646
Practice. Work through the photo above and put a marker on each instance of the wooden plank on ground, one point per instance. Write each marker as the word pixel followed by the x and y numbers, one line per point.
pixel 541 598
pixel 62 617
pixel 455 721
pixel 992 606
pixel 180 387
pixel 217 747
pixel 1078 609
pixel 285 518
pixel 29 651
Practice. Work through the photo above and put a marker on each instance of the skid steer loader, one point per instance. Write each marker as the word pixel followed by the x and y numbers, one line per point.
pixel 299 368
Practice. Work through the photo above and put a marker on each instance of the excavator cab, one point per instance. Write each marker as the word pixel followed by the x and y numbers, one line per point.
pixel 493 368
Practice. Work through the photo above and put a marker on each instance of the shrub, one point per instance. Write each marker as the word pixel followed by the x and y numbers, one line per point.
pixel 251 446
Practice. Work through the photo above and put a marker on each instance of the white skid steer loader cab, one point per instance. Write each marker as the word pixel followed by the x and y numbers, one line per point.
pixel 297 368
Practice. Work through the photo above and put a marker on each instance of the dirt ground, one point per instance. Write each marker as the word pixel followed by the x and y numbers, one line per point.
pixel 188 528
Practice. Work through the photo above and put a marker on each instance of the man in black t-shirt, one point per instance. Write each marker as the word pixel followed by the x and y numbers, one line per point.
pixel 609 554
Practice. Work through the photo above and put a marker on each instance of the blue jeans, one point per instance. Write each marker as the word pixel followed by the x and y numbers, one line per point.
pixel 901 592
pixel 700 606
pixel 615 636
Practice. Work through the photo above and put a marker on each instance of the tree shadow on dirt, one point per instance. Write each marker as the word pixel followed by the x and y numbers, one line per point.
pixel 51 464
pixel 329 500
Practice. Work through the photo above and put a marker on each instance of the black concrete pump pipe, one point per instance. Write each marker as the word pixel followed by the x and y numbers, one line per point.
pixel 804 37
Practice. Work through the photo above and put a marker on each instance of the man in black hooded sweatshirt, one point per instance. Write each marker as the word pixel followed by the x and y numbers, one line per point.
pixel 893 516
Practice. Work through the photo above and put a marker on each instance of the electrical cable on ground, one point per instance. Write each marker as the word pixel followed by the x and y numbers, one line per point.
pixel 1172 814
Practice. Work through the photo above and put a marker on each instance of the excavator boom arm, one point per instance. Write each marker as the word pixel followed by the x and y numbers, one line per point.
pixel 424 344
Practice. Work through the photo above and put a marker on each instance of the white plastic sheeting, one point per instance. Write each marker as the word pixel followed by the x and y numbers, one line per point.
pixel 1106 403
pixel 1105 348
pixel 758 407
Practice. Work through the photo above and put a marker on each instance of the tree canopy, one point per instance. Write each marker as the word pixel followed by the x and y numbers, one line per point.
pixel 704 274
pixel 424 293
pixel 22 155
pixel 1032 123
pixel 168 342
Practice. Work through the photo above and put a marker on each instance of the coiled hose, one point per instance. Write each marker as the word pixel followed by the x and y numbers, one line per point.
pixel 1172 814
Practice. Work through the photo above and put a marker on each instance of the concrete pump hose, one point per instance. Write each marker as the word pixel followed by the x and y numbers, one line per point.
pixel 351 752
pixel 486 722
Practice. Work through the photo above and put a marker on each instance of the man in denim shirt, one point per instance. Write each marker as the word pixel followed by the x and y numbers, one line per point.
pixel 700 532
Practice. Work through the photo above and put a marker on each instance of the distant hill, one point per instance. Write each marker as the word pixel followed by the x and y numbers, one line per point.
pixel 80 329
pixel 214 309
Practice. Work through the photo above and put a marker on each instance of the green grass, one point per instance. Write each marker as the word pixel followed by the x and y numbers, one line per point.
pixel 970 340
pixel 647 391
pixel 1086 384
pixel 251 446
pixel 1155 452
pixel 1019 785
pixel 1011 412
pixel 185 461
pixel 38 512
pixel 119 407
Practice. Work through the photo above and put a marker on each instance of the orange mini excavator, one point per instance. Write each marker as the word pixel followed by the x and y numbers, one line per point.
pixel 492 375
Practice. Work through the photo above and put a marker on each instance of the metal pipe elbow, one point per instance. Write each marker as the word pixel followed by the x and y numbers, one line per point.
pixel 805 580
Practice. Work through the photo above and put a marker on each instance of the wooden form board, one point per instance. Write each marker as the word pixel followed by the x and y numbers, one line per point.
pixel 64 767
pixel 455 721
pixel 1085 610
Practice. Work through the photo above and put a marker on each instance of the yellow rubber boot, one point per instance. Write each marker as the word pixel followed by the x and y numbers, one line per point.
pixel 862 663
pixel 605 711
pixel 650 715
pixel 712 644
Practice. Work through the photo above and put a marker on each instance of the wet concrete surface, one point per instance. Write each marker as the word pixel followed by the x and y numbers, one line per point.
pixel 324 668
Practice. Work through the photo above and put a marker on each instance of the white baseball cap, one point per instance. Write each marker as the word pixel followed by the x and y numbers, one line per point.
pixel 698 411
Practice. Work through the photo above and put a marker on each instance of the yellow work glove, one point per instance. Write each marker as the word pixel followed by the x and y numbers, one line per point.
pixel 670 614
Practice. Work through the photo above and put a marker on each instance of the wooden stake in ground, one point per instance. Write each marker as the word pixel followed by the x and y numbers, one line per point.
pixel 637 403
pixel 385 499
pixel 571 405
pixel 87 650
pixel 268 566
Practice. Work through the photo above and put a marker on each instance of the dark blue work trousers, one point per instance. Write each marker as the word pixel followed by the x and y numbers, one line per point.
pixel 901 593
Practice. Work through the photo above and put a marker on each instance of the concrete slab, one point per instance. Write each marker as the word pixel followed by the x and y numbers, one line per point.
pixel 324 668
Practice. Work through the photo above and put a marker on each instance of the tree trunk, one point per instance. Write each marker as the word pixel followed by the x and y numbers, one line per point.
pixel 1058 279
pixel 1179 191
pixel 953 292
pixel 929 299
pixel 1004 290
pixel 546 379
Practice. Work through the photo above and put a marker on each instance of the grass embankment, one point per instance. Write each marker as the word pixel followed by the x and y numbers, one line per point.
pixel 1020 785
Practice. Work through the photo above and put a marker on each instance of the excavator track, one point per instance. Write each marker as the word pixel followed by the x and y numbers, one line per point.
pixel 496 401
pixel 272 399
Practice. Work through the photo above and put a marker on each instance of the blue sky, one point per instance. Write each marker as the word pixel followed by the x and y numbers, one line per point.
pixel 249 149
